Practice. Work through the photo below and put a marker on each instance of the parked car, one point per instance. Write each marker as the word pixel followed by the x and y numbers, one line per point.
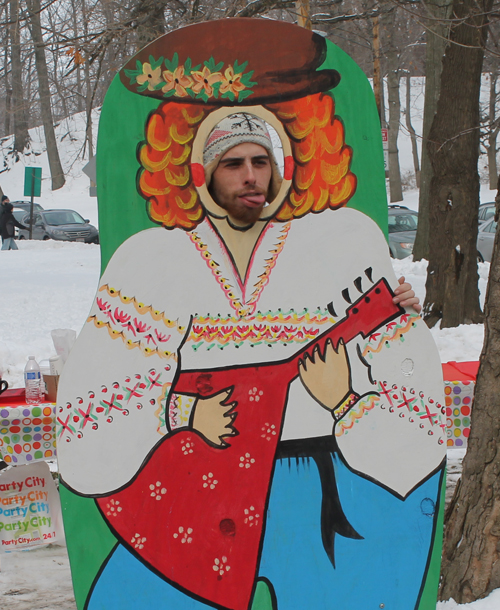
pixel 485 239
pixel 402 230
pixel 486 211
pixel 25 205
pixel 65 225
pixel 19 212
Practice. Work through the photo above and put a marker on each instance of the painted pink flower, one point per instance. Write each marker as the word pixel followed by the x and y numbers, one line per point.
pixel 121 316
pixel 231 82
pixel 141 327
pixel 162 337
pixel 103 305
pixel 204 80
pixel 149 338
pixel 177 80
pixel 129 326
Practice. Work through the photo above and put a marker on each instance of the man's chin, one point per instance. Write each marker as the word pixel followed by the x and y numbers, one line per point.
pixel 247 215
pixel 242 223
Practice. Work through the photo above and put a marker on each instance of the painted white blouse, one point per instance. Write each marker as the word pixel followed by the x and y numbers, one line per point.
pixel 172 300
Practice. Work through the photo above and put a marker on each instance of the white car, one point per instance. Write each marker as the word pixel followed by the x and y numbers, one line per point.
pixel 485 240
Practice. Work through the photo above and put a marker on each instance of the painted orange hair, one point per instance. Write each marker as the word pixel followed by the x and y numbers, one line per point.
pixel 166 181
pixel 322 178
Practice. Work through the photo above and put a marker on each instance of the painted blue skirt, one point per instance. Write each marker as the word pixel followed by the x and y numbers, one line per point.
pixel 384 569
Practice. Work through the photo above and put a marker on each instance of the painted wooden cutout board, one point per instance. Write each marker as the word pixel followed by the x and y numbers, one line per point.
pixel 310 504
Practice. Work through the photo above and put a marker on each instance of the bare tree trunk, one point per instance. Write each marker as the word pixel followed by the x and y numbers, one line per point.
pixel 452 294
pixel 8 110
pixel 28 69
pixel 304 14
pixel 150 19
pixel 88 89
pixel 471 552
pixel 61 90
pixel 392 57
pixel 436 36
pixel 21 135
pixel 411 130
pixel 377 73
pixel 8 90
pixel 110 61
pixel 79 88
pixel 56 170
pixel 493 128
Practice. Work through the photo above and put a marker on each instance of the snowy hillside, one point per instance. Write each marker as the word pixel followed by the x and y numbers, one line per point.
pixel 70 135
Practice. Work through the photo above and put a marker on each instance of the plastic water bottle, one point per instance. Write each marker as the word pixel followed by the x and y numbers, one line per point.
pixel 33 382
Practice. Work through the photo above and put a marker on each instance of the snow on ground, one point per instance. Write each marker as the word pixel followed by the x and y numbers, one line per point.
pixel 36 580
pixel 492 602
pixel 45 285
pixel 460 344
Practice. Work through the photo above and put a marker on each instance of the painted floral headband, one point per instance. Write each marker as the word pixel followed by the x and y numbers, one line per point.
pixel 184 80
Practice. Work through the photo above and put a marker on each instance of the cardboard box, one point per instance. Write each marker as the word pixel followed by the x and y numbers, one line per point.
pixel 51 383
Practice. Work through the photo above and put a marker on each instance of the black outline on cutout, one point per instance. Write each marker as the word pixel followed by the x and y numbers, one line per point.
pixel 433 535
pixel 333 519
pixel 317 354
pixel 270 588
pixel 365 362
pixel 99 572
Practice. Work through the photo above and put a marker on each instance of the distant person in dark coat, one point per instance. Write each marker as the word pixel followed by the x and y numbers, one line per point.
pixel 7 224
pixel 3 202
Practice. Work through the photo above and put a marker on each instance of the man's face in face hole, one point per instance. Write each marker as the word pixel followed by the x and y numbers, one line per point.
pixel 240 183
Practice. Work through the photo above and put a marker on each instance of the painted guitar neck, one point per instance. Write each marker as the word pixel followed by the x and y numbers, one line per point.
pixel 372 310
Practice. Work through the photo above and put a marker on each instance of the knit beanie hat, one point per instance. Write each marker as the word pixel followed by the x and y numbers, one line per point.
pixel 239 128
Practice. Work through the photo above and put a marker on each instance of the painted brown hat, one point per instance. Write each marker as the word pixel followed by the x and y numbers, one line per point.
pixel 230 61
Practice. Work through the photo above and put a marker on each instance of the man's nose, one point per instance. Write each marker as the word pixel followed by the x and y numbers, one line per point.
pixel 250 177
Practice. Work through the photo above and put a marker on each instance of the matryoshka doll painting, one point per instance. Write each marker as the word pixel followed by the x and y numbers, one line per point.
pixel 248 420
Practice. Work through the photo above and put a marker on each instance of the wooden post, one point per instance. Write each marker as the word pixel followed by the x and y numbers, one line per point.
pixel 303 14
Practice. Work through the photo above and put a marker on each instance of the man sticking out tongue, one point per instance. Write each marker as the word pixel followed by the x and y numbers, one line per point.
pixel 242 175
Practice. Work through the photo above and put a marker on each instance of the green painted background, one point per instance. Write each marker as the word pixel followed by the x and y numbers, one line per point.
pixel 88 538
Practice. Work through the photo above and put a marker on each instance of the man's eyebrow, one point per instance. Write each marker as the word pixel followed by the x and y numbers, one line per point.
pixel 254 157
